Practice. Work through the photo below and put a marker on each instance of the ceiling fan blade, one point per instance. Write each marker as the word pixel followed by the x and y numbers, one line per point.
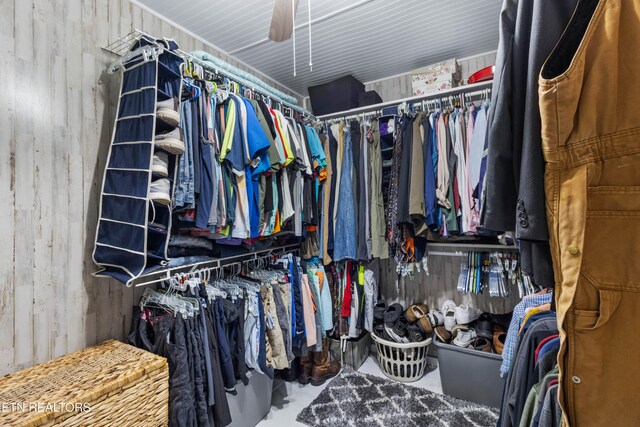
pixel 282 20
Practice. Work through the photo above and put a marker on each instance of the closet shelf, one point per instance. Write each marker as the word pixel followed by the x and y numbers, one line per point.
pixel 168 71
pixel 158 276
pixel 122 45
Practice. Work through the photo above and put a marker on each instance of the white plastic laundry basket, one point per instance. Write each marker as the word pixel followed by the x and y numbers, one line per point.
pixel 402 362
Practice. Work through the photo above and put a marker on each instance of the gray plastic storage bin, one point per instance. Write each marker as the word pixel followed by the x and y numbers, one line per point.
pixel 253 401
pixel 357 351
pixel 470 374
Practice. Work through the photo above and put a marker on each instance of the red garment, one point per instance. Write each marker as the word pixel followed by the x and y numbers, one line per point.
pixel 552 383
pixel 542 343
pixel 346 299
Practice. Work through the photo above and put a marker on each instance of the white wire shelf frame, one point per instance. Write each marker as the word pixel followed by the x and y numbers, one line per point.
pixel 164 274
pixel 121 46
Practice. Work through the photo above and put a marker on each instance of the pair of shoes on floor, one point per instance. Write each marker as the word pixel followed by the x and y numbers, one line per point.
pixel 394 323
pixel 418 316
pixel 463 336
pixel 458 315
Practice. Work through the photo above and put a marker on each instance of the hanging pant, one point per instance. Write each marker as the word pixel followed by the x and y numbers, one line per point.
pixel 589 91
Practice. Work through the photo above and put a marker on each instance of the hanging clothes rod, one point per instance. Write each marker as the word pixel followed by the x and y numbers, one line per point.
pixel 451 254
pixel 121 46
pixel 165 274
pixel 472 247
pixel 477 87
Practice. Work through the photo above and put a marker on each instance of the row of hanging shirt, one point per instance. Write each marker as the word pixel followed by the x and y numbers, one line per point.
pixel 436 177
pixel 400 179
pixel 214 328
pixel 248 171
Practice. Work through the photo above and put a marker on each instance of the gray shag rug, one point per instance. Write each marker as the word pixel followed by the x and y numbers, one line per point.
pixel 356 399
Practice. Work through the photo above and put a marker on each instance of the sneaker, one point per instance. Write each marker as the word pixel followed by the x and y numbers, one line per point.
pixel 447 305
pixel 466 314
pixel 435 317
pixel 160 191
pixel 400 327
pixel 394 337
pixel 449 319
pixel 481 344
pixel 458 328
pixel 167 111
pixel 465 337
pixel 171 142
pixel 160 164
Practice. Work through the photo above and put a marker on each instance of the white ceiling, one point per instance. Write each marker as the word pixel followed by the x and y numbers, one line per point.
pixel 373 40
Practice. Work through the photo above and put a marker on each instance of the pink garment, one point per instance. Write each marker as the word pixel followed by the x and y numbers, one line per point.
pixel 309 312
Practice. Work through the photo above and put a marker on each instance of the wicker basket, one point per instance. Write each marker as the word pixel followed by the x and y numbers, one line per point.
pixel 402 362
pixel 110 384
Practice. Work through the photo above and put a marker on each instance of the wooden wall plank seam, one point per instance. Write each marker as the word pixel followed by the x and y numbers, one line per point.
pixel 43 291
pixel 77 300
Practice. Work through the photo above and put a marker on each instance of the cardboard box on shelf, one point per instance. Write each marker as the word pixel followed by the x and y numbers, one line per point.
pixel 435 77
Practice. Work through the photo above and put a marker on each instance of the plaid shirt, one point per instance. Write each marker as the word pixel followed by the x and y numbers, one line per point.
pixel 519 313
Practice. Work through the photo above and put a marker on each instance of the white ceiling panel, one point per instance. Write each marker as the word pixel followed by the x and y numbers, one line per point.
pixel 371 39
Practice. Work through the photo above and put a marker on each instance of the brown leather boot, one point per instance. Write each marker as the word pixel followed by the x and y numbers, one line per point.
pixel 323 367
pixel 306 366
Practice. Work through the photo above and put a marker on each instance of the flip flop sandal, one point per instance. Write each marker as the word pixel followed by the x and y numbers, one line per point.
pixel 442 334
pixel 416 312
pixel 425 325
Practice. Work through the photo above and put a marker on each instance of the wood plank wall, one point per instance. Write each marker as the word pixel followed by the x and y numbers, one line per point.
pixel 398 87
pixel 437 286
pixel 56 116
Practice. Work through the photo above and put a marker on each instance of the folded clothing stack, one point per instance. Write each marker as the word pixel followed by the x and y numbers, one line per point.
pixel 468 327
pixel 394 323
